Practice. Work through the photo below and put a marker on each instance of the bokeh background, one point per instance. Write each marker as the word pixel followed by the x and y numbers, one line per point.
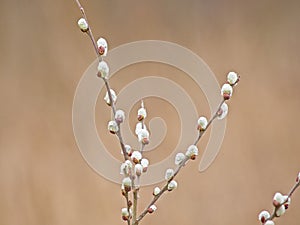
pixel 44 179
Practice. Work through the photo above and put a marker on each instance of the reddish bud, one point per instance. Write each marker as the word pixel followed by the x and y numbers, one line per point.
pixel 123 192
pixel 150 210
pixel 200 128
pixel 127 188
pixel 193 157
pixel 135 160
pixel 140 117
pixel 275 203
pixel 145 141
pixel 226 96
pixel 125 218
pixel 101 50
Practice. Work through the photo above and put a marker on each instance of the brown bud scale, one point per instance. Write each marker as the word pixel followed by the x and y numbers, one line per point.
pixel 135 160
pixel 85 30
pixel 127 189
pixel 101 50
pixel 226 96
pixel 140 117
pixel 286 206
pixel 145 141
pixel 275 203
pixel 150 210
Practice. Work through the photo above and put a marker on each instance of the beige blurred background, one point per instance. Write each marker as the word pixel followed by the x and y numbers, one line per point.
pixel 44 179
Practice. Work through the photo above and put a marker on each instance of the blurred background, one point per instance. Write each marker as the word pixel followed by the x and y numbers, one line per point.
pixel 45 180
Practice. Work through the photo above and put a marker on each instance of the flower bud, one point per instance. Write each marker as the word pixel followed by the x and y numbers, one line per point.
pixel 139 126
pixel 136 156
pixel 202 123
pixel 278 199
pixel 269 222
pixel 192 152
pixel 126 168
pixel 263 216
pixel 126 183
pixel 103 70
pixel 179 158
pixel 143 136
pixel 232 78
pixel 113 96
pixel 138 169
pixel 169 174
pixel 223 111
pixel 142 114
pixel 102 46
pixel 125 214
pixel 112 127
pixel 128 150
pixel 152 208
pixel 156 191
pixel 280 211
pixel 145 164
pixel 83 25
pixel 226 91
pixel 119 116
pixel 172 185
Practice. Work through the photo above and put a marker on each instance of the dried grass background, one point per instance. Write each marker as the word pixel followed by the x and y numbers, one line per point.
pixel 44 179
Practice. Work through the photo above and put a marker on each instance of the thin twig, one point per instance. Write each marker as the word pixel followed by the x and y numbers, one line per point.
pixel 113 107
pixel 209 122
pixel 112 104
pixel 182 164
pixel 91 36
pixel 293 189
pixel 287 199
pixel 89 32
pixel 128 207
pixel 135 200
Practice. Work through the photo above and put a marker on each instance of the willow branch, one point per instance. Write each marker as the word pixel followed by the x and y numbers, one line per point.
pixel 287 199
pixel 92 38
pixel 181 165
pixel 89 32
